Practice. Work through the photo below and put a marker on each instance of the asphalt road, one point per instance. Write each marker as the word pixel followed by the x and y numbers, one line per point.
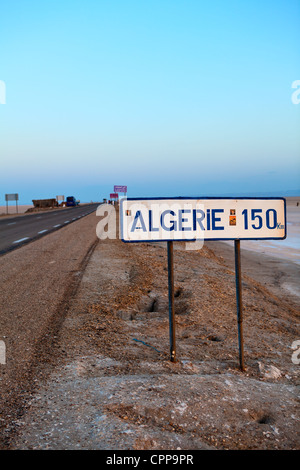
pixel 16 231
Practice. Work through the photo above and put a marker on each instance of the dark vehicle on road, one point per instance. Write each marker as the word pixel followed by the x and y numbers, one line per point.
pixel 71 201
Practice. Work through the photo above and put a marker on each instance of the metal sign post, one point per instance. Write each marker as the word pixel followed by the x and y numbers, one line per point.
pixel 238 281
pixel 11 197
pixel 120 189
pixel 60 198
pixel 171 302
pixel 211 218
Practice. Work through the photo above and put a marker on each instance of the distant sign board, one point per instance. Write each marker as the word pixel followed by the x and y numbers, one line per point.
pixel 120 189
pixel 60 198
pixel 114 196
pixel 11 197
pixel 189 219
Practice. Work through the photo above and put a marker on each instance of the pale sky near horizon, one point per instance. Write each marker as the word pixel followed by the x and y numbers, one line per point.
pixel 171 97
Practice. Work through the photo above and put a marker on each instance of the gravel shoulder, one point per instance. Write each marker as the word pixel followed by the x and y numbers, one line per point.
pixel 36 282
pixel 106 382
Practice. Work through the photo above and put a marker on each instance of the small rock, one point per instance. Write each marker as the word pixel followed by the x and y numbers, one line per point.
pixel 269 372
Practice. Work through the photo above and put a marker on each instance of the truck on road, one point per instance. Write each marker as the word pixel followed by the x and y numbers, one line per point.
pixel 71 201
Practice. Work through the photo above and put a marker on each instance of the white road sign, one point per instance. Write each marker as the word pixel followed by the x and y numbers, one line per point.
pixel 11 197
pixel 189 219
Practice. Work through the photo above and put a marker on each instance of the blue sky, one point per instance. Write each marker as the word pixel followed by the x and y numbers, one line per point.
pixel 171 97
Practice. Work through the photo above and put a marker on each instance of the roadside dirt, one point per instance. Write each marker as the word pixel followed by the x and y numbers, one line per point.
pixel 106 380
pixel 36 282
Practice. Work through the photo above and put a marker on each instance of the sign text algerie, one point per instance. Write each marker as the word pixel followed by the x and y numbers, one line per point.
pixel 189 219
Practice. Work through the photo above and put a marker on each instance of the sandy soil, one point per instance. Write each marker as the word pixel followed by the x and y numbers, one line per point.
pixel 107 381
pixel 12 210
pixel 36 281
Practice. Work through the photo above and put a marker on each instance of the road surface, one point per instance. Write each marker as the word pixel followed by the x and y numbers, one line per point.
pixel 16 231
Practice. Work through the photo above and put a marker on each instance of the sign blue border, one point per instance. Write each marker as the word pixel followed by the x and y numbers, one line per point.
pixel 200 198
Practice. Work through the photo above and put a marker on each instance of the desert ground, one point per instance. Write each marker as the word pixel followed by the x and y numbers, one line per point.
pixel 13 210
pixel 97 374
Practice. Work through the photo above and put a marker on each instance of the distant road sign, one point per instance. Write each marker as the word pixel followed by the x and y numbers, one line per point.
pixel 189 219
pixel 11 197
pixel 114 196
pixel 120 189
